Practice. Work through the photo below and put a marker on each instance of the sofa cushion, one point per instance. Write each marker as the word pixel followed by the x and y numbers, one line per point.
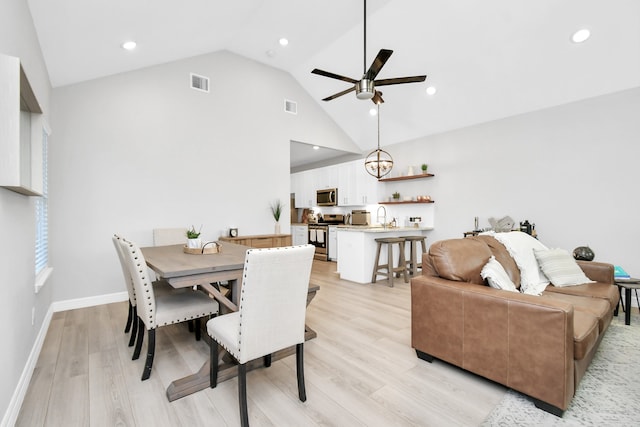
pixel 460 259
pixel 520 246
pixel 596 290
pixel 502 256
pixel 585 334
pixel 560 267
pixel 494 273
pixel 597 307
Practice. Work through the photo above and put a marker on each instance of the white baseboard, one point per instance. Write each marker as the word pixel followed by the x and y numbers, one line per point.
pixel 11 415
pixel 72 304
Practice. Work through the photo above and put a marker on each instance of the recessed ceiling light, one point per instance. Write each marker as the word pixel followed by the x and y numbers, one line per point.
pixel 581 35
pixel 373 111
pixel 283 42
pixel 129 45
pixel 431 90
pixel 271 53
pixel 315 147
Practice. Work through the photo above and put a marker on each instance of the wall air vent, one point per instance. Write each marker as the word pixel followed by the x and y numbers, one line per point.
pixel 200 83
pixel 290 106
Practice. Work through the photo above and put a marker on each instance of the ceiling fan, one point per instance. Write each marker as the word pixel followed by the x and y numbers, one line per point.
pixel 366 87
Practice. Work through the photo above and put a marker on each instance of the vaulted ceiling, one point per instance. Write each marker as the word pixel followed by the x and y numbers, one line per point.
pixel 487 59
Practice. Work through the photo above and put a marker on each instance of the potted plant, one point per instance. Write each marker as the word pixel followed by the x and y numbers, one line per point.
pixel 396 196
pixel 193 238
pixel 424 168
pixel 276 211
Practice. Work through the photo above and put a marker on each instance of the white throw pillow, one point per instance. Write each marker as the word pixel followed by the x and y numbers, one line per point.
pixel 496 275
pixel 560 267
pixel 521 246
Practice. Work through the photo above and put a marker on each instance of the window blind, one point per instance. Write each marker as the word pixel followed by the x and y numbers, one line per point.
pixel 42 207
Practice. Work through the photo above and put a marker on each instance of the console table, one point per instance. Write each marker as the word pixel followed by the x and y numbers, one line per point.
pixel 261 240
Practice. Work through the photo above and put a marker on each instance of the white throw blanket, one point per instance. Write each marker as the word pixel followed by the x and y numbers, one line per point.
pixel 520 246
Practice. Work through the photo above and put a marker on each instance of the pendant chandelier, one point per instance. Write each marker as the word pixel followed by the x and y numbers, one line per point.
pixel 378 163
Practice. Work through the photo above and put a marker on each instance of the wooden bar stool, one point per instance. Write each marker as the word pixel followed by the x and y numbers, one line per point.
pixel 413 263
pixel 387 269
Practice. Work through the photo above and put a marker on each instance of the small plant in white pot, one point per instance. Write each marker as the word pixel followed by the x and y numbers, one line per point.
pixel 193 238
pixel 276 211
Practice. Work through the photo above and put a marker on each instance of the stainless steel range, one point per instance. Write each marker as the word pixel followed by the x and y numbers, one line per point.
pixel 319 234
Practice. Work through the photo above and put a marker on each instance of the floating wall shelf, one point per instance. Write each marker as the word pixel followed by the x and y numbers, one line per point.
pixel 405 178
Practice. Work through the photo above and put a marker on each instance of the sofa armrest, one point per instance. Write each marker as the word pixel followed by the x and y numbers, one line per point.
pixel 522 341
pixel 598 271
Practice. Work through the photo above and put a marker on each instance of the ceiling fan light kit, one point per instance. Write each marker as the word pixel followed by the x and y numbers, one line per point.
pixel 364 89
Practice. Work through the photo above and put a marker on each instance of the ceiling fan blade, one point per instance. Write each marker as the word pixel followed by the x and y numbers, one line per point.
pixel 400 80
pixel 378 63
pixel 333 76
pixel 377 98
pixel 344 92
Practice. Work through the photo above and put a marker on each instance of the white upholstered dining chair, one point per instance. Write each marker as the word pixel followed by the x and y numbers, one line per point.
pixel 270 317
pixel 161 309
pixel 159 287
pixel 169 236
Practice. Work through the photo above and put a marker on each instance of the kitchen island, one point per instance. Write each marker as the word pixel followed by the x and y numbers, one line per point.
pixel 357 248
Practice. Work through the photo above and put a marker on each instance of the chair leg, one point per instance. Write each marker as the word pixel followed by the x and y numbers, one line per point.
pixel 127 328
pixel 213 363
pixel 242 394
pixel 267 360
pixel 302 394
pixel 198 329
pixel 390 265
pixel 190 325
pixel 136 352
pixel 134 330
pixel 151 350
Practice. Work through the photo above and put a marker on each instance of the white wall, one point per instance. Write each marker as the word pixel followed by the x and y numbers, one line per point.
pixel 142 150
pixel 573 170
pixel 17 220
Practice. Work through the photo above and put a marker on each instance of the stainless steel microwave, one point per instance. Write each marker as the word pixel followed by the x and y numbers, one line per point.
pixel 327 197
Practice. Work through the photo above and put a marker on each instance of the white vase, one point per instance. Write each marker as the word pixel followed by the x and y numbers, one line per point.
pixel 410 171
pixel 277 228
pixel 194 243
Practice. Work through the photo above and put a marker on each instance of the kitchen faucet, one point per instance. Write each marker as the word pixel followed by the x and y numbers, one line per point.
pixel 384 224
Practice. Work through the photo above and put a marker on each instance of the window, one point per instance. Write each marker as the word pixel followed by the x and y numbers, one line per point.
pixel 42 220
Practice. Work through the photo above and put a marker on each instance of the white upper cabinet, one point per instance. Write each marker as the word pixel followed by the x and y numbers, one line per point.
pixel 21 131
pixel 303 185
pixel 355 186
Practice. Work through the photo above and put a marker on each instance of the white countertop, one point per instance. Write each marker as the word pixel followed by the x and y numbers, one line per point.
pixel 379 228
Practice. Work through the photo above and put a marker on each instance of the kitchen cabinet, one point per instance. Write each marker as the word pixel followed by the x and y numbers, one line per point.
pixel 261 241
pixel 303 186
pixel 21 131
pixel 355 186
pixel 299 234
pixel 326 177
pixel 347 193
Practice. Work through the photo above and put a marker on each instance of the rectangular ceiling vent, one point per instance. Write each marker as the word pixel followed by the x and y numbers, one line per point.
pixel 290 106
pixel 199 82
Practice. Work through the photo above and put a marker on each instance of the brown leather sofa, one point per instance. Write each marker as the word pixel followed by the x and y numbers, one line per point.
pixel 538 345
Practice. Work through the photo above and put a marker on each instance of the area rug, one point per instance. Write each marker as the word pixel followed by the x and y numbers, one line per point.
pixel 607 395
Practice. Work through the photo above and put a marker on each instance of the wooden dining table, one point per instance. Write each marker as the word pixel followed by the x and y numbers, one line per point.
pixel 183 270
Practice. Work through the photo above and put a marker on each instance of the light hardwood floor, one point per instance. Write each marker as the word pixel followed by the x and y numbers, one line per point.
pixel 359 371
